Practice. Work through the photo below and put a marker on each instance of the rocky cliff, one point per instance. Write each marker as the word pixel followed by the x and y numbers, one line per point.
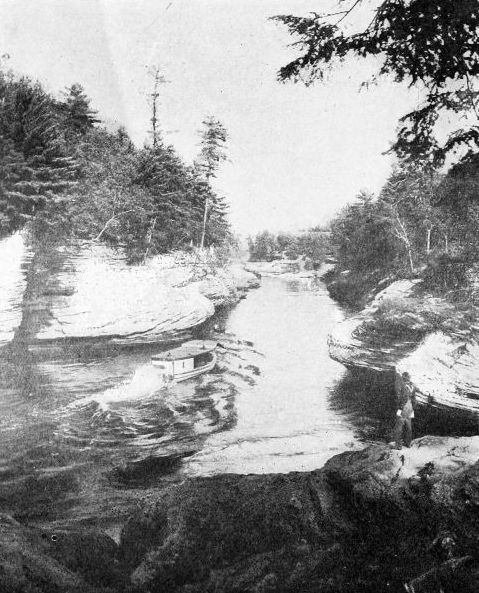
pixel 89 292
pixel 406 328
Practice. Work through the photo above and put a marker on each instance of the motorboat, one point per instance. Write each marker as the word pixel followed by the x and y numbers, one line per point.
pixel 189 360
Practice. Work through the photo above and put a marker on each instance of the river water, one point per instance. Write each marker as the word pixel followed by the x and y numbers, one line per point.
pixel 84 437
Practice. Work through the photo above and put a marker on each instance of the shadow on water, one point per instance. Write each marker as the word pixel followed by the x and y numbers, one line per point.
pixel 367 399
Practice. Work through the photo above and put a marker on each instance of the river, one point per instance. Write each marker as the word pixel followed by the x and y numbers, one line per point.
pixel 85 437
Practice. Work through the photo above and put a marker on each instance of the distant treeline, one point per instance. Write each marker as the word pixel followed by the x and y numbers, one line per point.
pixel 313 244
pixel 422 224
pixel 66 177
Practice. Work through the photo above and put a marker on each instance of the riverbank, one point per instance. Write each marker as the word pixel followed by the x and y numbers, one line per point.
pixel 369 520
pixel 433 335
pixel 88 292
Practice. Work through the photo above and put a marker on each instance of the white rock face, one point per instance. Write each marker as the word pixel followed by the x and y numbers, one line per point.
pixel 352 342
pixel 93 293
pixel 444 369
pixel 12 285
pixel 445 372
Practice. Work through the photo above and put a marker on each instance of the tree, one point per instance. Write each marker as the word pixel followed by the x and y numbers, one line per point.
pixel 79 117
pixel 361 237
pixel 213 139
pixel 46 152
pixel 419 42
pixel 35 156
pixel 17 188
pixel 262 247
pixel 158 80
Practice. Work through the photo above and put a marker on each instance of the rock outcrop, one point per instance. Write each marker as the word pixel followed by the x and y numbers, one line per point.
pixel 89 292
pixel 61 561
pixel 445 371
pixel 13 255
pixel 405 328
pixel 368 521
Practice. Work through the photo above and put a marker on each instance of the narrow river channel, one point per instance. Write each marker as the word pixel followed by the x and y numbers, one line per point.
pixel 82 439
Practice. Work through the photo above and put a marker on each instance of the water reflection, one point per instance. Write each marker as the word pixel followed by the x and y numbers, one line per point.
pixel 284 418
pixel 86 434
pixel 365 399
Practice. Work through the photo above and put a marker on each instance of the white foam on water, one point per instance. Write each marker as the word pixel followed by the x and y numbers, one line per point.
pixel 145 381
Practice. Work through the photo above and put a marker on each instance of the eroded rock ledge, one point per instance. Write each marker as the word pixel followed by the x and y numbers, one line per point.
pixel 89 292
pixel 405 328
pixel 365 522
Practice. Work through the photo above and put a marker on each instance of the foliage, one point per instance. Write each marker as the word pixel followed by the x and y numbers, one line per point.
pixel 414 227
pixel 361 238
pixel 213 139
pixel 31 127
pixel 69 179
pixel 17 197
pixel 79 116
pixel 311 244
pixel 263 247
pixel 430 44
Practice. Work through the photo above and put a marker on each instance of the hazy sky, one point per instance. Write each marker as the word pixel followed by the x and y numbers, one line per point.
pixel 297 154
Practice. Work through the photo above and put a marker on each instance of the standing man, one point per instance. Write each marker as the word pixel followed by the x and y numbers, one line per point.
pixel 406 400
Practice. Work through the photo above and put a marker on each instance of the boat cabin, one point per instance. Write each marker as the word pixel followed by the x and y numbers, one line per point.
pixel 188 360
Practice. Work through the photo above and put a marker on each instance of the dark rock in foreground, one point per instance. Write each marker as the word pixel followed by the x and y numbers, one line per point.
pixel 60 561
pixel 368 521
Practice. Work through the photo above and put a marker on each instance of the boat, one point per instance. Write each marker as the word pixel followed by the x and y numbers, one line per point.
pixel 189 360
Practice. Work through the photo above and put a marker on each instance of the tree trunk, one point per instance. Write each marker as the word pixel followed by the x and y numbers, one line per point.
pixel 205 215
pixel 149 237
pixel 428 242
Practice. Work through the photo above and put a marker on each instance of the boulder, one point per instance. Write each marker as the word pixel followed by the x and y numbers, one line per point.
pixel 64 561
pixel 372 520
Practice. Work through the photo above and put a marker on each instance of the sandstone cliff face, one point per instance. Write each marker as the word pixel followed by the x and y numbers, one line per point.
pixel 365 522
pixel 445 371
pixel 90 292
pixel 12 285
pixel 406 329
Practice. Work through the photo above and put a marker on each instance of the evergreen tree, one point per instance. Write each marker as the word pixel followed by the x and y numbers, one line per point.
pixel 213 139
pixel 433 45
pixel 79 117
pixel 45 150
pixel 17 188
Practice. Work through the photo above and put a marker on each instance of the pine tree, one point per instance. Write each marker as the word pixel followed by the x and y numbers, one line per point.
pixel 17 188
pixel 213 140
pixel 46 153
pixel 79 117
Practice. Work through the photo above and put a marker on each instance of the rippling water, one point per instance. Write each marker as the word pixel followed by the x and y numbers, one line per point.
pixel 86 436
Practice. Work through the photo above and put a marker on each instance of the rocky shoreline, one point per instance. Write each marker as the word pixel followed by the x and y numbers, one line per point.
pixel 407 328
pixel 58 295
pixel 371 520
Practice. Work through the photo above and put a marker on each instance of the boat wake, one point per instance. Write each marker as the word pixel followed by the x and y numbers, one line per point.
pixel 145 382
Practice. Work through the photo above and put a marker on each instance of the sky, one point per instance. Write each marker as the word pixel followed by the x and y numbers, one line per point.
pixel 296 154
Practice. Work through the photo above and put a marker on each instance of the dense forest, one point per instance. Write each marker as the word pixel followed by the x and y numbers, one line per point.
pixel 65 177
pixel 425 220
